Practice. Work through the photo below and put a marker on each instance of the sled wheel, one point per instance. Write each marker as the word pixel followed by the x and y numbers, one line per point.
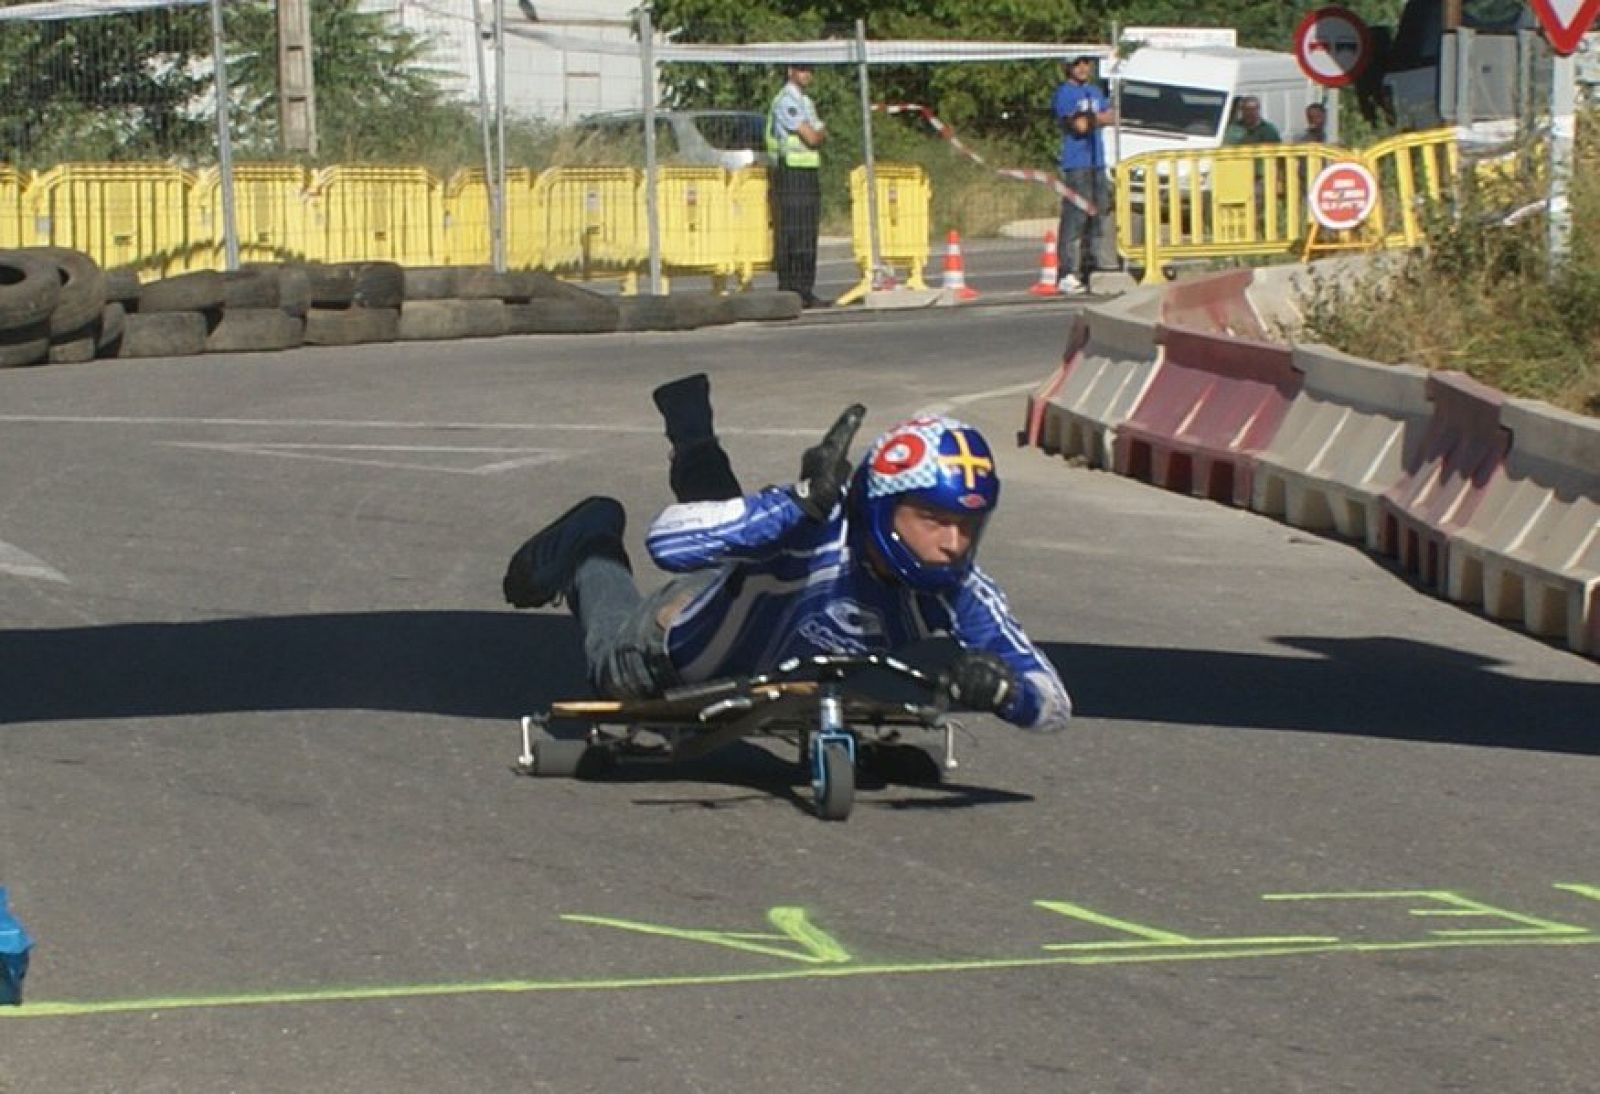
pixel 558 759
pixel 837 792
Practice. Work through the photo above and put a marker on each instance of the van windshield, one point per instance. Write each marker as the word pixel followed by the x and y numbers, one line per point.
pixel 1162 108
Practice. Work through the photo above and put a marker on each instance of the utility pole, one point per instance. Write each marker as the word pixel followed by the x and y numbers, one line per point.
pixel 297 89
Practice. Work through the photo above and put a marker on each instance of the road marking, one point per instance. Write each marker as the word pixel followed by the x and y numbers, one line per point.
pixel 976 397
pixel 19 563
pixel 816 955
pixel 335 453
pixel 653 430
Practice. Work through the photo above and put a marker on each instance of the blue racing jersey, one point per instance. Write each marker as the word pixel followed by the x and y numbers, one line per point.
pixel 789 586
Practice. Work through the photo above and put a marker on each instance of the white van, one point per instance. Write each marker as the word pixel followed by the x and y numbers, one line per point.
pixel 1183 99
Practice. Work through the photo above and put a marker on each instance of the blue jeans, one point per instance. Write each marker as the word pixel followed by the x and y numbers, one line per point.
pixel 1078 236
pixel 624 641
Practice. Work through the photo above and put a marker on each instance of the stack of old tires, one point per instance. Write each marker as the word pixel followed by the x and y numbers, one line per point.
pixel 57 305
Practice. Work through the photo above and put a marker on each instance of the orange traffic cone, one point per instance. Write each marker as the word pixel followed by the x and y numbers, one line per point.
pixel 955 273
pixel 1046 285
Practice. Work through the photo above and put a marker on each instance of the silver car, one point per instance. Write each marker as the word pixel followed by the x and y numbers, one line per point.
pixel 724 138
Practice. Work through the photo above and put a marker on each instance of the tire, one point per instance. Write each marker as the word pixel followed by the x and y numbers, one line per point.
pixel 431 283
pixel 838 790
pixel 113 323
pixel 763 307
pixel 22 346
pixel 351 326
pixel 256 330
pixel 333 286
pixel 705 310
pixel 538 285
pixel 482 283
pixel 75 347
pixel 164 334
pixel 251 287
pixel 438 320
pixel 379 285
pixel 123 287
pixel 202 290
pixel 294 290
pixel 561 317
pixel 29 289
pixel 639 313
pixel 83 289
pixel 559 759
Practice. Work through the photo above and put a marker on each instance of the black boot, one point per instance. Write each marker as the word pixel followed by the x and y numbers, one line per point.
pixel 686 406
pixel 542 568
pixel 700 468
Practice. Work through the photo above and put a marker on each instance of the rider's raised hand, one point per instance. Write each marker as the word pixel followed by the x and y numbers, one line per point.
pixel 825 468
pixel 979 680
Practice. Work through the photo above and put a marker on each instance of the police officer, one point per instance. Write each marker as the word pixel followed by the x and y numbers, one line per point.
pixel 794 134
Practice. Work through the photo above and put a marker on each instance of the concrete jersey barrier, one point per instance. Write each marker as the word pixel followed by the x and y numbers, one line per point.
pixel 1493 501
pixel 1347 439
pixel 1099 384
pixel 1212 405
pixel 1530 553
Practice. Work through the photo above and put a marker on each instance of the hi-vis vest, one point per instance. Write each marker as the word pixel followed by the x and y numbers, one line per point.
pixel 788 150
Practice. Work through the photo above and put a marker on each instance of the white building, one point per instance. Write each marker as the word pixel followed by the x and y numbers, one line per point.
pixel 542 82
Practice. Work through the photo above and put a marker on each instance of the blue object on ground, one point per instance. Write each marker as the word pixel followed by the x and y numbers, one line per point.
pixel 14 947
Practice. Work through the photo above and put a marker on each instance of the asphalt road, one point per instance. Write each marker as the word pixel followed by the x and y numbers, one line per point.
pixel 1313 830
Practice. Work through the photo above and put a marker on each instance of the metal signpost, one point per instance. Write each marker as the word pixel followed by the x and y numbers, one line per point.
pixel 1565 23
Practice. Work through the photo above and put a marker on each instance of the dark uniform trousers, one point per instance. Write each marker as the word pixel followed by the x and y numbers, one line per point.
pixel 796 197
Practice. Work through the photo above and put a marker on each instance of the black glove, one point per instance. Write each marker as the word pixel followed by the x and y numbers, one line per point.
pixel 825 468
pixel 979 681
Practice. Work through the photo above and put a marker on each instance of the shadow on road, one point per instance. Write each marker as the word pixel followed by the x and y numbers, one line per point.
pixel 1371 687
pixel 487 664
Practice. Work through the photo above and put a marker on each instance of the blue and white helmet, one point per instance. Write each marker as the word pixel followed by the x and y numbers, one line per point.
pixel 939 461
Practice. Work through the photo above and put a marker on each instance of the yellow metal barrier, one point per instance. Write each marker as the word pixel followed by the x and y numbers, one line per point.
pixel 590 221
pixel 12 184
pixel 904 195
pixel 466 219
pixel 697 235
pixel 393 214
pixel 120 214
pixel 1249 200
pixel 1418 170
pixel 750 218
pixel 1252 200
pixel 271 213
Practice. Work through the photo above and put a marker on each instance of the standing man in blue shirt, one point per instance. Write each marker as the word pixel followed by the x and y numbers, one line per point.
pixel 1080 108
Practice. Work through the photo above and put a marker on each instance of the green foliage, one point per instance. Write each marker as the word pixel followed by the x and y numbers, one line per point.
pixel 378 100
pixel 118 87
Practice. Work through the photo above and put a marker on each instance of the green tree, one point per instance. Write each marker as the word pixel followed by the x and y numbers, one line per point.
pixel 378 98
pixel 111 87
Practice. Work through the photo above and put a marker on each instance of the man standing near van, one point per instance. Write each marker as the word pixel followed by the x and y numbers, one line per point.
pixel 794 135
pixel 1080 108
pixel 1249 127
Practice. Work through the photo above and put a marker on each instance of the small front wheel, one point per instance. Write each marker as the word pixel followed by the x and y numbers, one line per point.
pixel 554 759
pixel 835 792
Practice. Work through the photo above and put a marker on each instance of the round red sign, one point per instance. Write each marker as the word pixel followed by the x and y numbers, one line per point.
pixel 1343 195
pixel 1333 46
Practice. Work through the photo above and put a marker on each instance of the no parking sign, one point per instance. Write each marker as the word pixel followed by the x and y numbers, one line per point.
pixel 1343 195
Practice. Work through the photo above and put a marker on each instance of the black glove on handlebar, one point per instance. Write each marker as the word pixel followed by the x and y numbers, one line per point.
pixel 825 468
pixel 979 681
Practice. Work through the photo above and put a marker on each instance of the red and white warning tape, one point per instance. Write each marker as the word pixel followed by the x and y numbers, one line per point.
pixel 1022 174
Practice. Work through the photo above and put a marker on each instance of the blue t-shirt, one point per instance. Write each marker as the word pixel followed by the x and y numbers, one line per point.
pixel 1071 98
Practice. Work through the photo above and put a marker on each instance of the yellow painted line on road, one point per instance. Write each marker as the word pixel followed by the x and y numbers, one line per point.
pixel 1113 954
